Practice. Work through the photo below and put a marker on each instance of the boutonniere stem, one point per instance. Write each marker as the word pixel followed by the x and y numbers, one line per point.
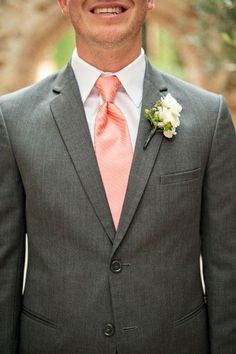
pixel 163 117
pixel 150 136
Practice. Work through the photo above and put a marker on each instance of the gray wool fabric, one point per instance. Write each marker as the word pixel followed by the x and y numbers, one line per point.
pixel 90 289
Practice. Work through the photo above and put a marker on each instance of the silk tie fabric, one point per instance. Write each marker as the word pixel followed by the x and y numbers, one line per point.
pixel 113 146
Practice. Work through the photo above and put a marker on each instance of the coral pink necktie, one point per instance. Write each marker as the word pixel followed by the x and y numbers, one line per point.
pixel 113 146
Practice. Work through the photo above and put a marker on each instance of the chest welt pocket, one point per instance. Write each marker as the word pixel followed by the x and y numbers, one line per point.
pixel 181 177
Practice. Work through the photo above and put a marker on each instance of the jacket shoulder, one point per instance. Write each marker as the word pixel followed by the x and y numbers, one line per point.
pixel 188 90
pixel 202 105
pixel 202 109
pixel 30 96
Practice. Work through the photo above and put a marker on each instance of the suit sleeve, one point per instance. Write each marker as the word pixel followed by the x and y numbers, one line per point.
pixel 218 231
pixel 12 244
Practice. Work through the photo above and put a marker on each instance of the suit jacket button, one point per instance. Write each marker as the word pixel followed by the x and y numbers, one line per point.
pixel 109 330
pixel 116 266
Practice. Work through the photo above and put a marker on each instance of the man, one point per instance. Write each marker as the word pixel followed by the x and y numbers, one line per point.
pixel 115 270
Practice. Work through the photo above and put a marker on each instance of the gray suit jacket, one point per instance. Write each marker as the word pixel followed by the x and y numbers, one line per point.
pixel 89 289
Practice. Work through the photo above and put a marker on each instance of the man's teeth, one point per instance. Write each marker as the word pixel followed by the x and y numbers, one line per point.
pixel 108 10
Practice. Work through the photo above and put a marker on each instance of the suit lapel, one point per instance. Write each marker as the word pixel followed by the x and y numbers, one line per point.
pixel 143 160
pixel 68 113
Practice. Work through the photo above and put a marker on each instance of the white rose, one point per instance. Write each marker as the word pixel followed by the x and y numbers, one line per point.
pixel 169 133
pixel 175 121
pixel 167 116
pixel 170 102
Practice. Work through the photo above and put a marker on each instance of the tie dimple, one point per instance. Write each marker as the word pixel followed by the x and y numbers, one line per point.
pixel 113 146
pixel 107 87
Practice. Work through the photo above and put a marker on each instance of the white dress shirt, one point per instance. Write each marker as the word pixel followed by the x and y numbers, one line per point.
pixel 128 98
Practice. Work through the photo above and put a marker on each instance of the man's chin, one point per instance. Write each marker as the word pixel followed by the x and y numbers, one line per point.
pixel 112 40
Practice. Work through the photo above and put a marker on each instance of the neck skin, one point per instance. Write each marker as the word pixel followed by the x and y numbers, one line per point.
pixel 109 58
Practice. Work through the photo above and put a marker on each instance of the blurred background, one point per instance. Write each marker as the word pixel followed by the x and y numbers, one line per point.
pixel 192 39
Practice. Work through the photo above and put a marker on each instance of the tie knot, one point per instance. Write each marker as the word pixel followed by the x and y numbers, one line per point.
pixel 107 87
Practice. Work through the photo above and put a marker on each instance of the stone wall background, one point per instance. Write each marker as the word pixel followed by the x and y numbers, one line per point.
pixel 27 29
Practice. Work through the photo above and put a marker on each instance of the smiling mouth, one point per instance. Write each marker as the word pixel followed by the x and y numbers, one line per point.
pixel 108 10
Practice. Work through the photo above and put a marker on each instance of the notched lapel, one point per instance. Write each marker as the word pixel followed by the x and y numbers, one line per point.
pixel 68 113
pixel 143 160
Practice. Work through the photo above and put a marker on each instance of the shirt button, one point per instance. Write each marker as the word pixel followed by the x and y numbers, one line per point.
pixel 109 330
pixel 116 266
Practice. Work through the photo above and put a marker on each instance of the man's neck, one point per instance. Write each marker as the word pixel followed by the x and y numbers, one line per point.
pixel 109 59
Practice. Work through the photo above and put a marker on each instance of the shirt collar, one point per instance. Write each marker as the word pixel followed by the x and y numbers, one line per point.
pixel 131 77
pixel 86 75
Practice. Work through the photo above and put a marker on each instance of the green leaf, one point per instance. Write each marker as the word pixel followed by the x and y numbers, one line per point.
pixel 228 39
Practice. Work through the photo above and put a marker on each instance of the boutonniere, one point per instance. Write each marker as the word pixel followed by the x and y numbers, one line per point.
pixel 164 117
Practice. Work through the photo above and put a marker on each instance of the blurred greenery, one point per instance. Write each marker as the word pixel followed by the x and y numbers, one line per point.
pixel 63 48
pixel 217 29
pixel 166 57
